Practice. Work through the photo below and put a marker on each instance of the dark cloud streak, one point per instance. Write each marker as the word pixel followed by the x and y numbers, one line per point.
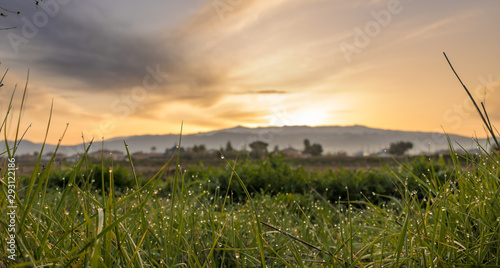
pixel 101 56
pixel 264 92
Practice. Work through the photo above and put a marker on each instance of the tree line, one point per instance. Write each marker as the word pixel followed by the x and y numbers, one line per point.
pixel 259 149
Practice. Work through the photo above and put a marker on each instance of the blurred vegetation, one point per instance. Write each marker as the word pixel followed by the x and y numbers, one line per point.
pixel 274 175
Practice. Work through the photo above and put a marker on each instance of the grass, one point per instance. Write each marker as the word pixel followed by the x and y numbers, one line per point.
pixel 430 218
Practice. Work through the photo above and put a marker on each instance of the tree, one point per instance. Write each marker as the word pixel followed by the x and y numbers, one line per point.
pixel 399 148
pixel 314 150
pixel 229 147
pixel 199 148
pixel 276 149
pixel 307 144
pixel 174 150
pixel 202 148
pixel 259 149
pixel 153 149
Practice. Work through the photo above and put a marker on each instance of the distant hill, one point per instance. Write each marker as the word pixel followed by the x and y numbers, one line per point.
pixel 350 139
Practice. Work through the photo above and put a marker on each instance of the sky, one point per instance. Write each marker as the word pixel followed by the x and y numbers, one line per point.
pixel 119 68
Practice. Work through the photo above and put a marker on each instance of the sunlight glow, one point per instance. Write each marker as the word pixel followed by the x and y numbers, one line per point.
pixel 307 116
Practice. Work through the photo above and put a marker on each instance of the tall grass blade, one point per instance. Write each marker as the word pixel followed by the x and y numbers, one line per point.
pixel 20 113
pixel 483 117
pixel 255 222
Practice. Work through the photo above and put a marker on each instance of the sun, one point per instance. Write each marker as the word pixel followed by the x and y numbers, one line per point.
pixel 306 116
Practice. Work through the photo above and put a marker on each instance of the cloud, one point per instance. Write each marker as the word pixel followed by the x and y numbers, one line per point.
pixel 270 91
pixel 92 54
pixel 263 91
pixel 249 117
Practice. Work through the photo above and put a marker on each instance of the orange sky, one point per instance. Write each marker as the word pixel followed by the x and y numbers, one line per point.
pixel 115 69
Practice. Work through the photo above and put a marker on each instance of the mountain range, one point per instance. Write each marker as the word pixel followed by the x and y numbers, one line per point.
pixel 354 139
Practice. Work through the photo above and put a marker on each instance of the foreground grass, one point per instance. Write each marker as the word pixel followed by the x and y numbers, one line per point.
pixel 450 222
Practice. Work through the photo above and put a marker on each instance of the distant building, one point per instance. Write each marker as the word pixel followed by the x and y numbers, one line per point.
pixel 27 158
pixel 381 154
pixel 139 156
pixel 57 158
pixel 291 152
pixel 156 156
pixel 212 151
pixel 116 155
pixel 358 153
pixel 73 158
pixel 361 153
